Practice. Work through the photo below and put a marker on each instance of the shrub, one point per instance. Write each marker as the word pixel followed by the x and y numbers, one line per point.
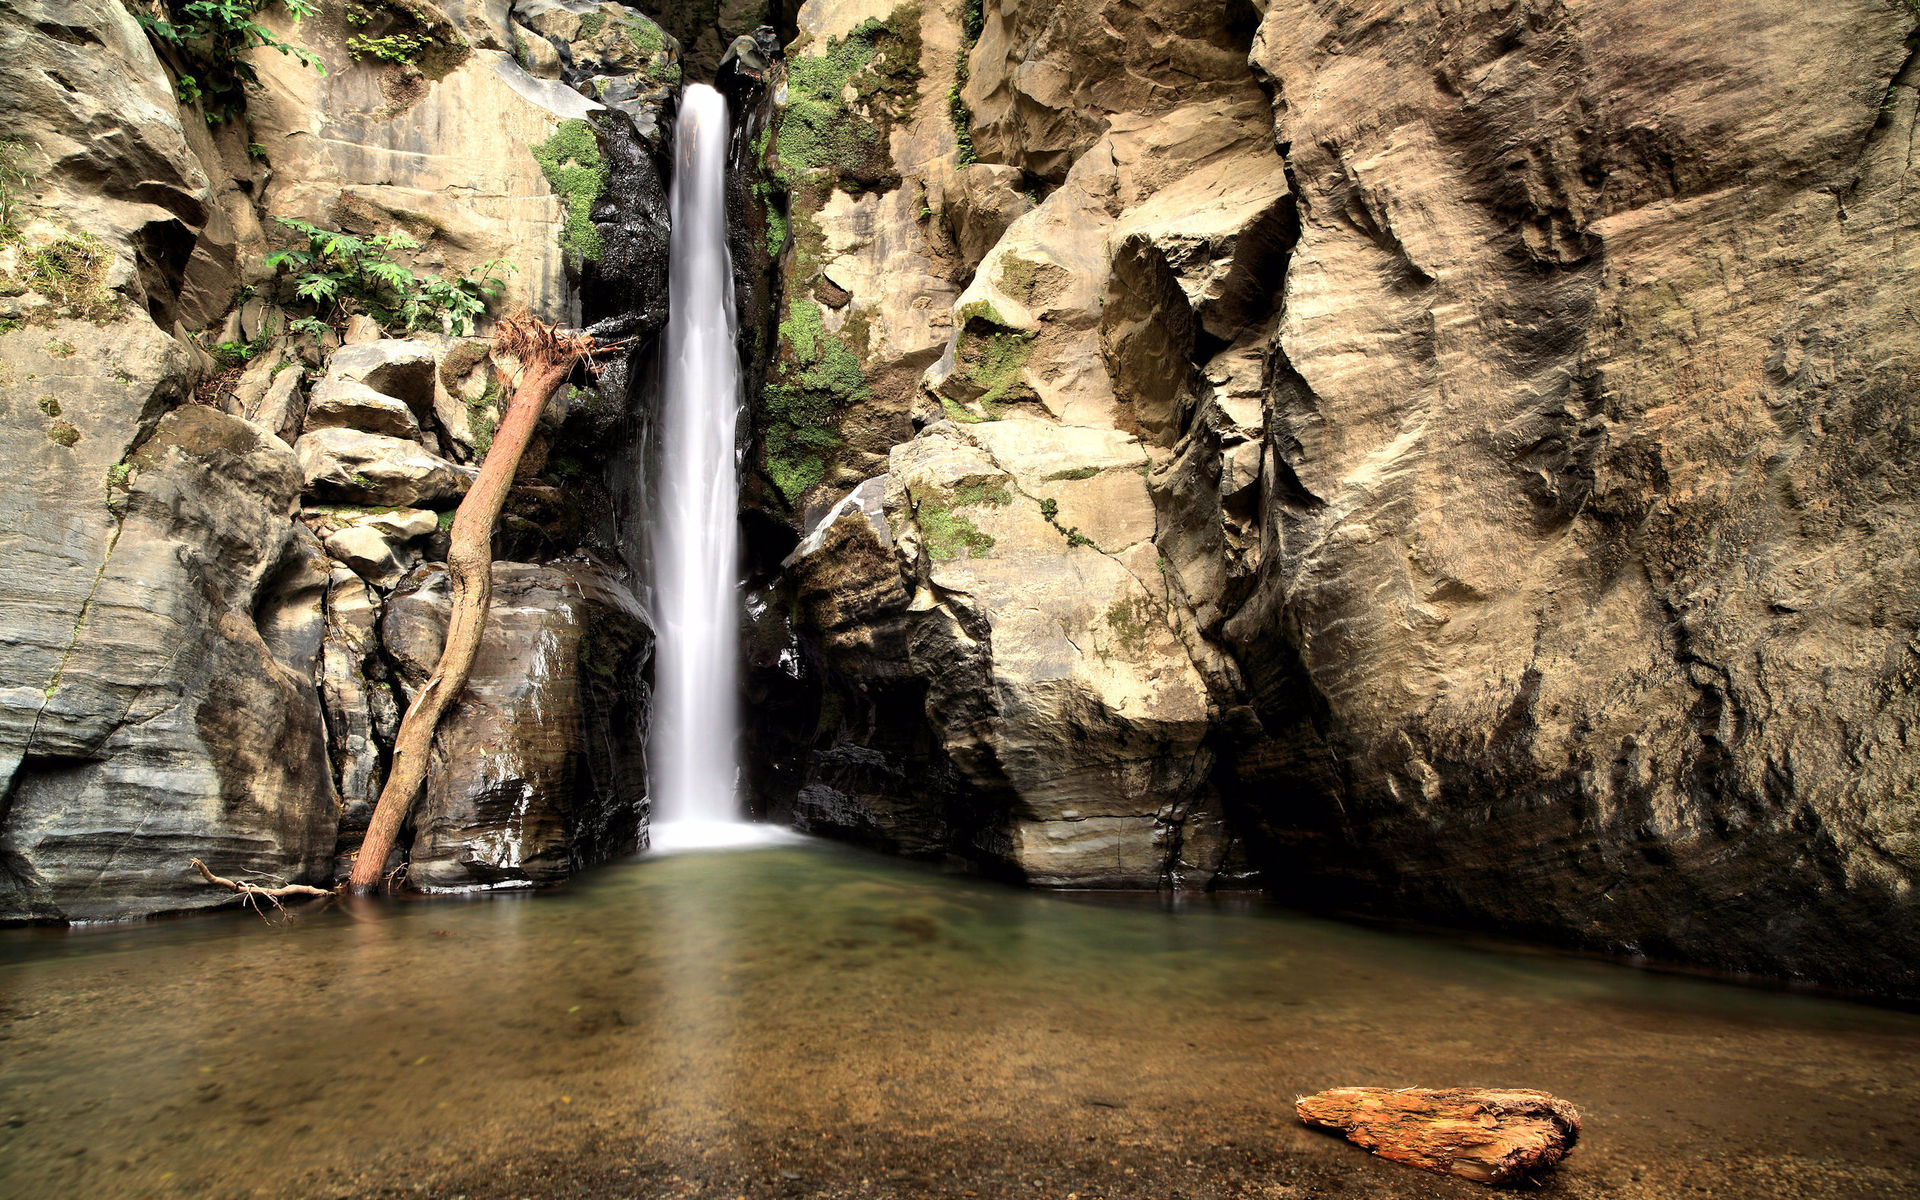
pixel 338 275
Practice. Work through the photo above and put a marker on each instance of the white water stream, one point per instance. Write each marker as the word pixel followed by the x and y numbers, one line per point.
pixel 693 749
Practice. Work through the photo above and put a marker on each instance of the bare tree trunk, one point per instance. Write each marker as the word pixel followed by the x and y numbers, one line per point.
pixel 546 357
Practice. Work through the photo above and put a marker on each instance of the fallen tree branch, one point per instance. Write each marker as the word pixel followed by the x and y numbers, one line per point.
pixel 545 357
pixel 252 893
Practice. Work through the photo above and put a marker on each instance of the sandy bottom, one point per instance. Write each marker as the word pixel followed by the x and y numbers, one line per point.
pixel 805 1020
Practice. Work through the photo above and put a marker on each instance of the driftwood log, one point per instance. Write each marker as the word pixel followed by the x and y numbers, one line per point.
pixel 1483 1134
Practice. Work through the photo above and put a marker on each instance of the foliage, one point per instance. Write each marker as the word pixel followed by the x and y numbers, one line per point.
pixel 212 37
pixel 578 173
pixel 72 273
pixel 972 20
pixel 339 275
pixel 49 406
pixel 239 354
pixel 392 47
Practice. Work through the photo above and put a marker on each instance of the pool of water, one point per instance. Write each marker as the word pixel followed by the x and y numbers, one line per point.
pixel 809 1020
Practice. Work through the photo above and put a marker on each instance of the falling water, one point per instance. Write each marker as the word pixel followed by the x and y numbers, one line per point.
pixel 695 552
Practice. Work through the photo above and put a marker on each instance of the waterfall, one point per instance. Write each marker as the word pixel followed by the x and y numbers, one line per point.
pixel 692 750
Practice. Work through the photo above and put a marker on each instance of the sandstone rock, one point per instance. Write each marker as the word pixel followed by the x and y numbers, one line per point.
pixel 402 368
pixel 351 467
pixel 337 404
pixel 282 410
pixel 539 771
pixel 361 330
pixel 1584 610
pixel 372 146
pixel 95 113
pixel 1483 1134
pixel 293 609
pixel 378 553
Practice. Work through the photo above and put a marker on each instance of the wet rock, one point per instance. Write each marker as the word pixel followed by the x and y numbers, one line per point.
pixel 1484 1134
pixel 539 771
pixel 352 467
pixel 338 404
pixel 350 651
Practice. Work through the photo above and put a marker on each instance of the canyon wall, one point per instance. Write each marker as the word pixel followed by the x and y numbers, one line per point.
pixel 1455 458
pixel 221 527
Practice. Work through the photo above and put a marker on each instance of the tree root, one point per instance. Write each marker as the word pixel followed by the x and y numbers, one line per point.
pixel 252 893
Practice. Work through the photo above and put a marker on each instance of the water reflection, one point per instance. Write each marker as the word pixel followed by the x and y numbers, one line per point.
pixel 709 1021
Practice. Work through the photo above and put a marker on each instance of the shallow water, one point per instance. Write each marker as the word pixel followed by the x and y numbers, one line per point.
pixel 808 1020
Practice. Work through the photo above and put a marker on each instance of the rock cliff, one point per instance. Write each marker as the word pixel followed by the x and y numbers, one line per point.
pixel 1451 457
pixel 1452 461
pixel 217 513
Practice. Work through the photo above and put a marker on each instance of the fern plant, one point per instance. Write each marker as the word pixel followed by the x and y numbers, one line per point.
pixel 339 275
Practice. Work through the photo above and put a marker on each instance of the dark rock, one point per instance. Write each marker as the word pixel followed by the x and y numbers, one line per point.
pixel 539 771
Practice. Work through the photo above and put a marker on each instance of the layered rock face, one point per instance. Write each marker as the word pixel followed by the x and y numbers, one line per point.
pixel 1588 603
pixel 204 531
pixel 1457 456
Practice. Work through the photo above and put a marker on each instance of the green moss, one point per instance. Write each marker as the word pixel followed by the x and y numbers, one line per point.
pixel 72 273
pixel 49 406
pixel 60 349
pixel 819 131
pixel 641 34
pixel 955 412
pixel 592 24
pixel 577 172
pixel 948 534
pixel 1076 473
pixel 776 231
pixel 483 417
pixel 817 375
pixel 445 521
pixel 1130 622
pixel 1050 508
pixel 63 433
pixel 993 363
pixel 982 493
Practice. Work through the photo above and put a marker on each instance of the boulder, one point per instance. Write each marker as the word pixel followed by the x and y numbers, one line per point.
pixel 283 409
pixel 335 403
pixel 539 771
pixel 399 368
pixel 352 467
pixel 1488 1135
